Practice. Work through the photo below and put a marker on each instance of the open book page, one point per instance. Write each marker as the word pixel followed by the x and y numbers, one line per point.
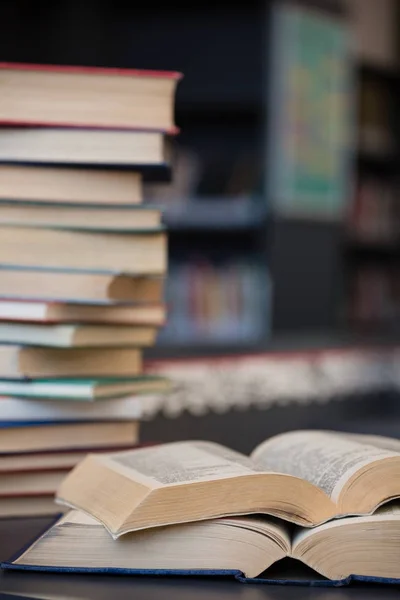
pixel 76 517
pixel 380 441
pixel 388 512
pixel 184 462
pixel 324 458
pixel 279 531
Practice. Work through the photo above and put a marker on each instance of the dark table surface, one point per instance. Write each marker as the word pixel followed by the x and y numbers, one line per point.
pixel 16 533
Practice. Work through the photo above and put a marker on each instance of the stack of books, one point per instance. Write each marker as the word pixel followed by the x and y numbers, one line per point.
pixel 187 508
pixel 82 267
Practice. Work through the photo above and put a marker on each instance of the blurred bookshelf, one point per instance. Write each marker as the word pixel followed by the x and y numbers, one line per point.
pixel 372 252
pixel 237 213
pixel 309 274
pixel 223 303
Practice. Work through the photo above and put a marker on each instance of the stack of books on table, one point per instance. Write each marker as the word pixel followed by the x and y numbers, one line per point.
pixel 82 267
pixel 316 496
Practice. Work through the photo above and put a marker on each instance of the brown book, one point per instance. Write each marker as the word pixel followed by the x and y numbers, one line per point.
pixel 67 436
pixel 113 219
pixel 59 186
pixel 53 459
pixel 29 506
pixel 79 287
pixel 96 251
pixel 18 362
pixel 87 97
pixel 31 482
pixel 82 147
pixel 59 312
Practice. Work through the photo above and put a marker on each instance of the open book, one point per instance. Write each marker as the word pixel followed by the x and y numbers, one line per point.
pixel 364 547
pixel 307 477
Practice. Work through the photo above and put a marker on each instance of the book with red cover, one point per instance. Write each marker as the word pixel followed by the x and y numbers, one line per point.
pixel 49 95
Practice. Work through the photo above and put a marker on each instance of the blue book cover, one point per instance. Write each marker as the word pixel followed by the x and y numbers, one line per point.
pixel 234 574
pixel 13 424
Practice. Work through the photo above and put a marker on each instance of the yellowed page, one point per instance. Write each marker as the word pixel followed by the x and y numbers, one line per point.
pixel 325 459
pixel 380 441
pixel 183 462
pixel 388 512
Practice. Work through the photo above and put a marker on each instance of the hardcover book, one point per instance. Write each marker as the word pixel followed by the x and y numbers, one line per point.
pixel 245 548
pixel 49 95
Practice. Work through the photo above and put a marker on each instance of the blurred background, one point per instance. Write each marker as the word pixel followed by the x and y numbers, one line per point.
pixel 283 212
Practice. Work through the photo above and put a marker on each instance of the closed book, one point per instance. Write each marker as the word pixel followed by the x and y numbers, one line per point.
pixel 20 362
pixel 29 506
pixel 363 549
pixel 28 409
pixel 83 390
pixel 89 97
pixel 93 251
pixel 79 287
pixel 61 312
pixel 82 147
pixel 59 458
pixel 56 185
pixel 32 436
pixel 31 483
pixel 78 218
pixel 77 336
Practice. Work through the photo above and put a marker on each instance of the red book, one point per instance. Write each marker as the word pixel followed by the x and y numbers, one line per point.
pixel 46 95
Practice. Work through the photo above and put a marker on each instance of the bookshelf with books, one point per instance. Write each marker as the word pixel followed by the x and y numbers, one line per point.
pixel 221 303
pixel 215 207
pixel 372 253
pixel 218 207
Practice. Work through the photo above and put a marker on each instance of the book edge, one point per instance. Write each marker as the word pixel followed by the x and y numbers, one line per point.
pixel 60 124
pixel 81 69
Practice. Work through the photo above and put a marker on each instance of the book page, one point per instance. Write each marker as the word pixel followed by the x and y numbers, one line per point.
pixel 276 529
pixel 387 512
pixel 380 441
pixel 185 462
pixel 324 458
pixel 77 517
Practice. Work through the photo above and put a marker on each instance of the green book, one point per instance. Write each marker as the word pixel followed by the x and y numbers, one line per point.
pixel 84 389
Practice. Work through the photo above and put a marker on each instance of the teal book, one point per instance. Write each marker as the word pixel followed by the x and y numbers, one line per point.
pixel 114 219
pixel 84 389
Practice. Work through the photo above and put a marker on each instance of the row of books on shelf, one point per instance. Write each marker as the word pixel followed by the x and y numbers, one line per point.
pixel 375 215
pixel 374 295
pixel 82 268
pixel 210 302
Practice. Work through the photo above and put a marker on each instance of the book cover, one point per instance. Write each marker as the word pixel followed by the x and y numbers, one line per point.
pixel 233 574
pixel 84 70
